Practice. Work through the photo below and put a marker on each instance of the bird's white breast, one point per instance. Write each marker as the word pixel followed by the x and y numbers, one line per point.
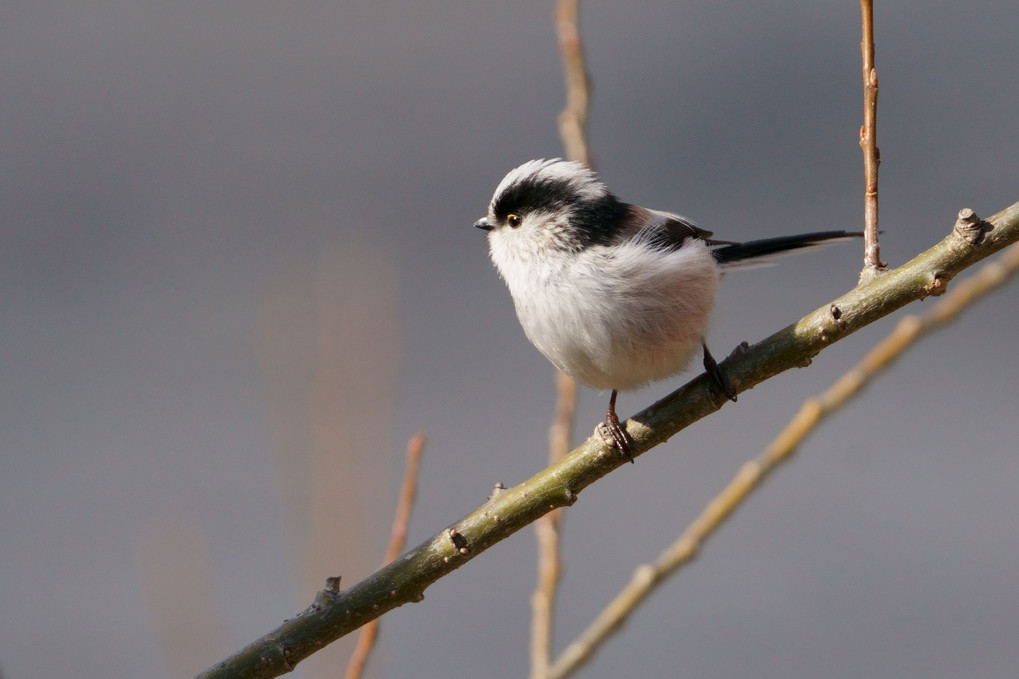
pixel 612 317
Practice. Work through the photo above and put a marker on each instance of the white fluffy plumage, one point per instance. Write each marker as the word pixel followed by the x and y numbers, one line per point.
pixel 615 314
pixel 574 313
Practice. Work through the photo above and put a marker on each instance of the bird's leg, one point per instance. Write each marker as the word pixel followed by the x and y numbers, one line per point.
pixel 711 367
pixel 612 432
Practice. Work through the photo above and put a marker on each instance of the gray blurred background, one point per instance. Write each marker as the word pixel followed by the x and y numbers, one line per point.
pixel 238 272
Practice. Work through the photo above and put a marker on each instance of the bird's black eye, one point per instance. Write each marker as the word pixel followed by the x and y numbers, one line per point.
pixel 513 220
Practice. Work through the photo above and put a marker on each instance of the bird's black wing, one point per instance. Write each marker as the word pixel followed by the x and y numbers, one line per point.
pixel 663 229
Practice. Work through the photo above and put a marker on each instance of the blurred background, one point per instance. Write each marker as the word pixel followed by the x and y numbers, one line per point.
pixel 238 273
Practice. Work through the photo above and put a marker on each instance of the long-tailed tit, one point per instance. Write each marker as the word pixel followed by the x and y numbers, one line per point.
pixel 613 294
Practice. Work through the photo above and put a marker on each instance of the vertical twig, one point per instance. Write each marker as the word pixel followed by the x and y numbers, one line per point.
pixel 573 117
pixel 397 537
pixel 872 263
pixel 546 530
pixel 573 131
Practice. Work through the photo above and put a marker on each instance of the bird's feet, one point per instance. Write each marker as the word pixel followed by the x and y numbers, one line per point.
pixel 613 433
pixel 711 367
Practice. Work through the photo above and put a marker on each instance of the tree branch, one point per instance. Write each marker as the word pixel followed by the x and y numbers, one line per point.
pixel 334 614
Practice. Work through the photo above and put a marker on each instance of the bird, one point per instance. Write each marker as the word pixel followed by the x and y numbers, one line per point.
pixel 613 294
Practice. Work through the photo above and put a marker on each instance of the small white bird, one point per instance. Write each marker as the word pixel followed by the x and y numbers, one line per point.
pixel 614 295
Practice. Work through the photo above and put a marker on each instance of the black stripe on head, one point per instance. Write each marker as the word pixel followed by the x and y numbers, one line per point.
pixel 535 193
pixel 594 214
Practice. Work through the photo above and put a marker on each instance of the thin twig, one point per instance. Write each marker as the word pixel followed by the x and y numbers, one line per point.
pixel 813 411
pixel 872 263
pixel 546 530
pixel 573 132
pixel 397 538
pixel 573 118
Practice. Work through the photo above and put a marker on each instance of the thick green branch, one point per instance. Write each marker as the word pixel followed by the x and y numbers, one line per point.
pixel 336 613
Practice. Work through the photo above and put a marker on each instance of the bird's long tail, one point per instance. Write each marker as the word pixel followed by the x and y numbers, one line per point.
pixel 763 252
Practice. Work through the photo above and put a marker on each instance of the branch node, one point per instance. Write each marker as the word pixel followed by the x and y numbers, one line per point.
pixel 285 654
pixel 938 284
pixel 602 435
pixel 969 227
pixel 739 350
pixel 327 597
pixel 836 316
pixel 497 490
pixel 571 497
pixel 459 541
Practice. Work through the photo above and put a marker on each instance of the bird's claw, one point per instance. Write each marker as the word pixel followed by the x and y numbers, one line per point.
pixel 614 436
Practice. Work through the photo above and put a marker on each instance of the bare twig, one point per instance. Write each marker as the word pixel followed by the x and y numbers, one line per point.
pixel 397 538
pixel 546 529
pixel 647 577
pixel 573 132
pixel 573 118
pixel 872 263
pixel 334 614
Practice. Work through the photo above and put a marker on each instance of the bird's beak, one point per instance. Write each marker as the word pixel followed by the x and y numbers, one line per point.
pixel 483 224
